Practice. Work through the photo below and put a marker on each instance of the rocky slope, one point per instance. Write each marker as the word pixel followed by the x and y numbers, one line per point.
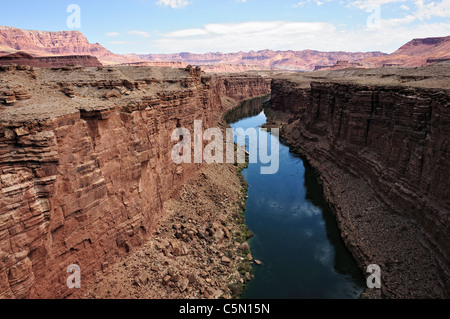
pixel 379 139
pixel 198 251
pixel 85 163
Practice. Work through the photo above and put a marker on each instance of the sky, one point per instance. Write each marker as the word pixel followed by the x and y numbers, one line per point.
pixel 200 26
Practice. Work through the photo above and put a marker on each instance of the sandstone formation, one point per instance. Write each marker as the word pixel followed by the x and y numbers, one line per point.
pixel 417 52
pixel 379 139
pixel 23 58
pixel 85 163
pixel 263 60
pixel 43 43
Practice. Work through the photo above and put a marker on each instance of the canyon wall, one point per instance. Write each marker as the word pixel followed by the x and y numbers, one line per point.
pixel 396 139
pixel 86 184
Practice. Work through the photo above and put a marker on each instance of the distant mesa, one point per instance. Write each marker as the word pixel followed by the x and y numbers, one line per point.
pixel 49 48
pixel 305 60
pixel 24 58
pixel 417 52
pixel 339 65
pixel 169 64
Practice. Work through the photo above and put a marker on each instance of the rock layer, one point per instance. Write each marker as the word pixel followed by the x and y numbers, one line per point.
pixel 23 58
pixel 43 43
pixel 417 52
pixel 263 60
pixel 391 141
pixel 85 182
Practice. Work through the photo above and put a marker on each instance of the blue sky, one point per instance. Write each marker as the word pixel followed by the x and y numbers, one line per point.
pixel 167 26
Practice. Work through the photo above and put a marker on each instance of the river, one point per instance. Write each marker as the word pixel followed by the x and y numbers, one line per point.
pixel 295 233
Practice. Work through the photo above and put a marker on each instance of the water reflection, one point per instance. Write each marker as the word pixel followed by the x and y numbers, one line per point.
pixel 247 108
pixel 344 261
pixel 296 235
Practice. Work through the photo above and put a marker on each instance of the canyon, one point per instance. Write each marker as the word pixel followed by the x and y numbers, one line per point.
pixel 86 175
pixel 85 165
pixel 379 140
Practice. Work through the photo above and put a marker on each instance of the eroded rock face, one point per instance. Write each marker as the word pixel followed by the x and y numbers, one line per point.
pixel 88 184
pixel 394 139
pixel 59 43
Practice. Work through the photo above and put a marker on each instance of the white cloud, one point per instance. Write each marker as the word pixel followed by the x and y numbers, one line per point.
pixel 317 2
pixel 285 35
pixel 432 9
pixel 398 21
pixel 140 33
pixel 112 34
pixel 299 4
pixel 366 4
pixel 118 42
pixel 174 4
pixel 252 28
pixel 424 9
pixel 323 254
pixel 187 33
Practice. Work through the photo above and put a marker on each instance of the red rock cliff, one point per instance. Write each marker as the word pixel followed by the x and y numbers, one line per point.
pixel 84 182
pixel 394 136
pixel 44 43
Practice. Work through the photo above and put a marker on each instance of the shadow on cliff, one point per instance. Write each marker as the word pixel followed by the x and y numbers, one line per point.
pixel 246 109
pixel 344 262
